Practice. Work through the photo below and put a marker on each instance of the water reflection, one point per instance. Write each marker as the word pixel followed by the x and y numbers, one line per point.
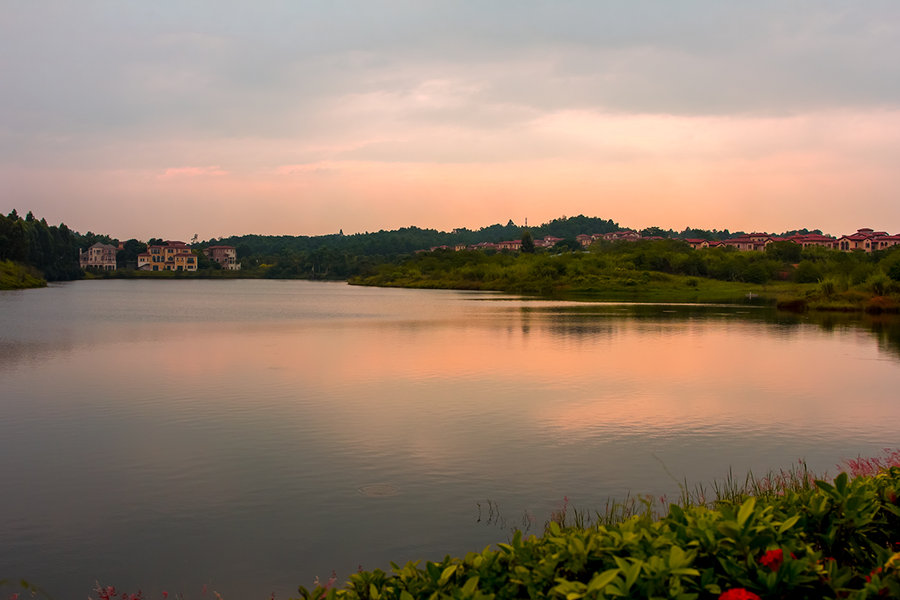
pixel 298 427
pixel 566 319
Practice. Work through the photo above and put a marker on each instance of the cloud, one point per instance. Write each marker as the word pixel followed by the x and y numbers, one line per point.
pixel 371 108
pixel 178 172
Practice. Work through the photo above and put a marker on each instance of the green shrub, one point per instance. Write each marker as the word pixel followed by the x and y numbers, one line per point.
pixel 806 540
pixel 878 283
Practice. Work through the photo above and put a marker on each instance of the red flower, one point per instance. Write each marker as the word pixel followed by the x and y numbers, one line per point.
pixel 772 559
pixel 874 572
pixel 738 594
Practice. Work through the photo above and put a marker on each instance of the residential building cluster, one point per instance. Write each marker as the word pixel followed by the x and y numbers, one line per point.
pixel 169 256
pixel 548 241
pixel 867 240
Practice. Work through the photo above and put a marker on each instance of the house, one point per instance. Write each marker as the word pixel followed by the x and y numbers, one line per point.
pixel 226 256
pixel 548 242
pixel 697 243
pixel 813 239
pixel 169 256
pixel 880 242
pixel 584 239
pixel 867 240
pixel 746 243
pixel 511 245
pixel 98 256
pixel 861 240
pixel 624 234
pixel 484 246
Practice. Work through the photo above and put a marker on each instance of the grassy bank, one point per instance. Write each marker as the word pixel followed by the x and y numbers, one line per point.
pixel 621 286
pixel 654 273
pixel 15 276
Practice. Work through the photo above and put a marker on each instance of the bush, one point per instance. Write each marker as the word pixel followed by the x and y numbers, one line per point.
pixel 878 283
pixel 806 540
pixel 828 287
pixel 807 272
pixel 894 271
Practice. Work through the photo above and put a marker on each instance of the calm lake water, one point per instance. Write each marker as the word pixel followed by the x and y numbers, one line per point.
pixel 251 435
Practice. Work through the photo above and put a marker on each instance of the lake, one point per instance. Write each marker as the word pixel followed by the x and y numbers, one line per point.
pixel 251 435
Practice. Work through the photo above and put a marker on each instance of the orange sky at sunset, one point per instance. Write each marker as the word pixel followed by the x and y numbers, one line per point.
pixel 309 119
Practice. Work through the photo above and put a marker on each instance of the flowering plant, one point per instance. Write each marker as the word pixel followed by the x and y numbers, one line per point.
pixel 738 594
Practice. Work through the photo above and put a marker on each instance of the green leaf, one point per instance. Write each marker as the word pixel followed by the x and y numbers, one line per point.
pixel 447 574
pixel 469 588
pixel 746 511
pixel 840 483
pixel 404 595
pixel 825 486
pixel 728 529
pixel 787 524
pixel 632 573
pixel 600 581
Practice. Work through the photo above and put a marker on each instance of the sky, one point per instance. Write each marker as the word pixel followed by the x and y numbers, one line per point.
pixel 215 117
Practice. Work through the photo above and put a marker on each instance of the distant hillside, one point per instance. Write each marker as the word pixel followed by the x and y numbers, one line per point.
pixel 408 239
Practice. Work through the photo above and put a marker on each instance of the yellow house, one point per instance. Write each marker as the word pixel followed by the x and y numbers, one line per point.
pixel 171 256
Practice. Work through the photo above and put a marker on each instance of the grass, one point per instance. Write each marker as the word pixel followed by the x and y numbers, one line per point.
pixel 15 276
pixel 625 286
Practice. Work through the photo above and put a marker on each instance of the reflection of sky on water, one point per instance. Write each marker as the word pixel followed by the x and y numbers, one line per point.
pixel 138 446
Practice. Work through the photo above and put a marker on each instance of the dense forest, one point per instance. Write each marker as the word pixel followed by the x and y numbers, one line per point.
pixel 53 250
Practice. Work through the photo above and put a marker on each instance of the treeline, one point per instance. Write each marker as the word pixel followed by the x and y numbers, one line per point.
pixel 339 256
pixel 553 270
pixel 712 234
pixel 51 249
pixel 405 240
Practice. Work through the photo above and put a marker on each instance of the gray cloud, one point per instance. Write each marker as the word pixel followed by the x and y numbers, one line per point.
pixel 88 80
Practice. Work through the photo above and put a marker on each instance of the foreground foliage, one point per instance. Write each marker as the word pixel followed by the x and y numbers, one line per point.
pixel 812 539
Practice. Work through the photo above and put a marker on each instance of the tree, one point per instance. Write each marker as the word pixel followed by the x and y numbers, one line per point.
pixel 127 257
pixel 785 251
pixel 807 272
pixel 655 232
pixel 527 242
pixel 894 271
pixel 568 245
